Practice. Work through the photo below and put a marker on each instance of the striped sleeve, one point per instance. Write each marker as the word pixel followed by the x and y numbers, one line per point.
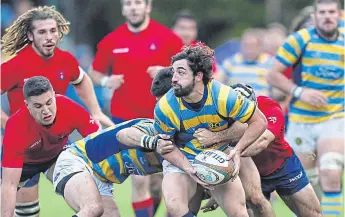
pixel 232 104
pixel 290 51
pixel 146 127
pixel 166 120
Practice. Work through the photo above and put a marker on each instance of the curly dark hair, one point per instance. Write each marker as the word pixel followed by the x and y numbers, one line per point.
pixel 162 82
pixel 200 59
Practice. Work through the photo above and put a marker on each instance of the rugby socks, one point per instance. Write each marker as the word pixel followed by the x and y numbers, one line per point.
pixel 332 204
pixel 189 214
pixel 143 208
pixel 156 202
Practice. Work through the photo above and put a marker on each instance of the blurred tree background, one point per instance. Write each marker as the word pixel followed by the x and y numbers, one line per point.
pixel 219 20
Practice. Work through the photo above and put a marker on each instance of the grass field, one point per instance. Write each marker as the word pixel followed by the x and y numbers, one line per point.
pixel 54 206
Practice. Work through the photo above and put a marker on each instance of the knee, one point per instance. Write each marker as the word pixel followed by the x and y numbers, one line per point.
pixel 330 180
pixel 175 207
pixel 95 209
pixel 257 201
pixel 27 209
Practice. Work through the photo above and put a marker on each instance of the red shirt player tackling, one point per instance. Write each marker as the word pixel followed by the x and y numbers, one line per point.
pixel 36 134
pixel 134 51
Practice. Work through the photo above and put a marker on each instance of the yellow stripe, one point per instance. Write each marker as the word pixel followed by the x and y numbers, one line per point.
pixel 188 151
pixel 238 57
pixel 310 119
pixel 332 200
pixel 264 57
pixel 332 208
pixel 168 111
pixel 120 161
pixel 305 35
pixel 193 122
pixel 317 62
pixel 334 94
pixel 108 172
pixel 163 126
pixel 224 92
pixel 293 42
pixel 249 112
pixel 309 77
pixel 134 157
pixel 255 70
pixel 287 55
pixel 209 100
pixel 336 49
pixel 227 65
pixel 326 108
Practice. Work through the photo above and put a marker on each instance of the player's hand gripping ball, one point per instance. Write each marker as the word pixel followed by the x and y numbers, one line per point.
pixel 213 168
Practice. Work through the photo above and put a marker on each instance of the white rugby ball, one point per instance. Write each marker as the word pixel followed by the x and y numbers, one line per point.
pixel 213 168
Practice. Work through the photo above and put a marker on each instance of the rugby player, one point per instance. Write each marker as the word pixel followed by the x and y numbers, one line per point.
pixel 316 112
pixel 35 135
pixel 32 38
pixel 197 101
pixel 135 51
pixel 280 169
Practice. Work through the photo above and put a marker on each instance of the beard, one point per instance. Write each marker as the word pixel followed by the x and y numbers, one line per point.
pixel 137 24
pixel 329 33
pixel 184 91
pixel 41 50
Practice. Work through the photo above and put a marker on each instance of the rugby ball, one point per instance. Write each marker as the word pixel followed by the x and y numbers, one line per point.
pixel 212 167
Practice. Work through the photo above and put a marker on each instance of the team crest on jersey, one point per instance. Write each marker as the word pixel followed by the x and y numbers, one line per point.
pixel 153 46
pixel 214 125
pixel 61 75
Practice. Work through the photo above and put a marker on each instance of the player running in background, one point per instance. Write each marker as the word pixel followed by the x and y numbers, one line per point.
pixel 316 112
pixel 197 101
pixel 135 51
pixel 32 38
pixel 35 135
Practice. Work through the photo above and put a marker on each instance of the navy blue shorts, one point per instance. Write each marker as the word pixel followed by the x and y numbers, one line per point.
pixel 287 180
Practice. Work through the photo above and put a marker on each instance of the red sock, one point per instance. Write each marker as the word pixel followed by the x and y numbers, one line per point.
pixel 143 208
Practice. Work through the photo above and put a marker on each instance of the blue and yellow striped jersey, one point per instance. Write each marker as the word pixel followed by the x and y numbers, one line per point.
pixel 221 107
pixel 322 68
pixel 112 161
pixel 238 70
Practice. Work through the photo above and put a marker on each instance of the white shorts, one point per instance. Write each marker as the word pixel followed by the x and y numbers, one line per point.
pixel 68 163
pixel 303 136
pixel 169 168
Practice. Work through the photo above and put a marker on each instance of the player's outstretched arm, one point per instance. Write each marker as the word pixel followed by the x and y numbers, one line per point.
pixel 208 138
pixel 10 181
pixel 87 95
pixel 259 145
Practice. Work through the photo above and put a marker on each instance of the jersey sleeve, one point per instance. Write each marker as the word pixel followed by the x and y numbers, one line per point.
pixel 146 127
pixel 165 118
pixel 226 67
pixel 275 118
pixel 234 105
pixel 102 60
pixel 290 51
pixel 85 124
pixel 8 81
pixel 13 145
pixel 77 73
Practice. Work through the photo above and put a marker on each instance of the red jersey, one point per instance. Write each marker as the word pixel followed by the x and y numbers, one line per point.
pixel 61 69
pixel 130 54
pixel 26 141
pixel 278 150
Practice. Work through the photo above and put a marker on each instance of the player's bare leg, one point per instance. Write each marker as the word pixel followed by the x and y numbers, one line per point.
pixel 27 202
pixel 231 198
pixel 178 189
pixel 110 207
pixel 331 165
pixel 304 203
pixel 156 190
pixel 141 198
pixel 82 195
pixel 250 178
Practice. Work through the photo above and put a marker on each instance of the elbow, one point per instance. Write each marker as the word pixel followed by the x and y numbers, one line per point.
pixel 121 135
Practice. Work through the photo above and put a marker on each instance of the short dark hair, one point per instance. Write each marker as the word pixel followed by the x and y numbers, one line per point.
pixel 327 2
pixel 161 84
pixel 36 86
pixel 183 15
pixel 200 59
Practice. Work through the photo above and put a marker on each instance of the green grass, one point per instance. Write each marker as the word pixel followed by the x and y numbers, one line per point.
pixel 53 205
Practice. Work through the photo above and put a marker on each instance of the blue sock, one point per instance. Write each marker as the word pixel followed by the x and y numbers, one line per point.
pixel 143 208
pixel 189 214
pixel 332 204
